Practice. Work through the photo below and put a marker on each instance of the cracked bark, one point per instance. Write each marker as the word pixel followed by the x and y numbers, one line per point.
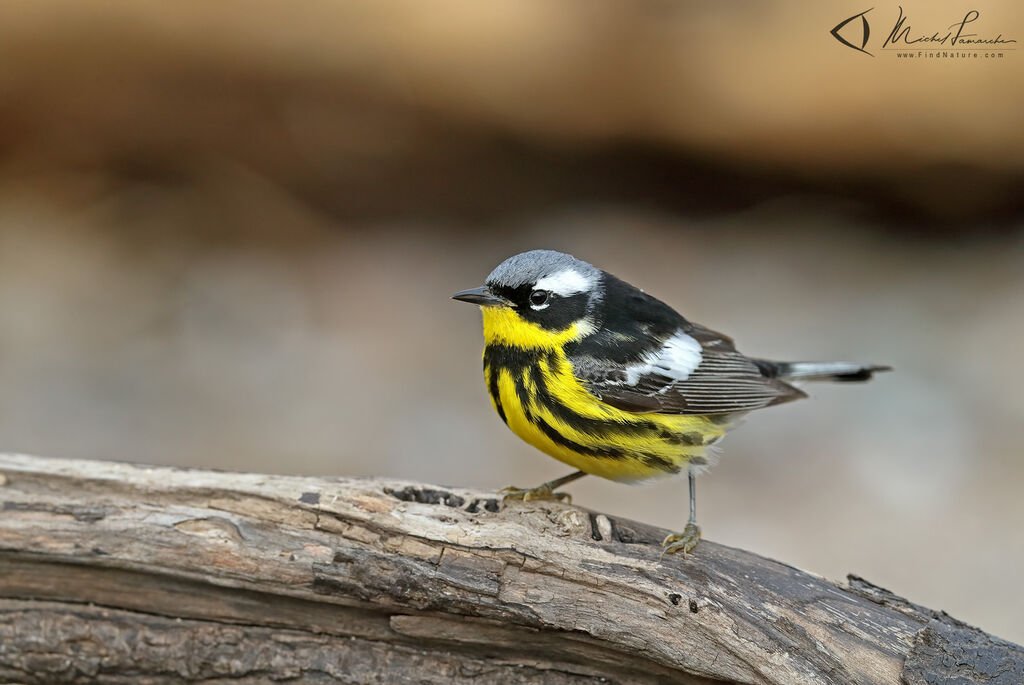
pixel 116 573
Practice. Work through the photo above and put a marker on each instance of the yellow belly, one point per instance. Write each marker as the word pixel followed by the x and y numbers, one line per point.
pixel 545 405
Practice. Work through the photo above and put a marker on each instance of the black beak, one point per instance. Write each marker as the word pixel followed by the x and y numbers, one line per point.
pixel 481 296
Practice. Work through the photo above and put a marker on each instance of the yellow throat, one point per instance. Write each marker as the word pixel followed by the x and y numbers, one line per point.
pixel 536 393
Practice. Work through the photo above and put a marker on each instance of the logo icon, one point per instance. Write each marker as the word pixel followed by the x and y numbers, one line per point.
pixel 865 32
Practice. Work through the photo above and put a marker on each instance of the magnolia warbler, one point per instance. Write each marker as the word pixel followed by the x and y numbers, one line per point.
pixel 600 375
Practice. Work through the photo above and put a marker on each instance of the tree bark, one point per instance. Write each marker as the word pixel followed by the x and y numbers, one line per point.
pixel 119 573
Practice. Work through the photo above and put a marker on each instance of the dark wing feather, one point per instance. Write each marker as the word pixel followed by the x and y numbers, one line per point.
pixel 724 382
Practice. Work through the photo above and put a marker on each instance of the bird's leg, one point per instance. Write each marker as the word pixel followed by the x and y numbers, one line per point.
pixel 542 491
pixel 688 539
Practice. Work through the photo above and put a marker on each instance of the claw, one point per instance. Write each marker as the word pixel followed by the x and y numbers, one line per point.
pixel 541 492
pixel 681 542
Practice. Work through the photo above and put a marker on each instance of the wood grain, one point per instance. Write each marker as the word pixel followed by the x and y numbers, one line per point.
pixel 119 573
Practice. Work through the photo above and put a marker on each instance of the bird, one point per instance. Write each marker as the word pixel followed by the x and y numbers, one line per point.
pixel 615 383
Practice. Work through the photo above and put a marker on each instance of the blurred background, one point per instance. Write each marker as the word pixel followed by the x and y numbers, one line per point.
pixel 229 232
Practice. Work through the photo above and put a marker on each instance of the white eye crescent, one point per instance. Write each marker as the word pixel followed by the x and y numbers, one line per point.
pixel 539 299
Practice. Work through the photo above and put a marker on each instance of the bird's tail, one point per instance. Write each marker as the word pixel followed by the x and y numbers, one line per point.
pixel 819 371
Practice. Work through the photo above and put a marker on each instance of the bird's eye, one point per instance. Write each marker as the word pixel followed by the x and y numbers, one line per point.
pixel 539 298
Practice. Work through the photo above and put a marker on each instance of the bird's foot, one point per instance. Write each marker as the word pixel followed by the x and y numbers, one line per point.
pixel 681 542
pixel 541 492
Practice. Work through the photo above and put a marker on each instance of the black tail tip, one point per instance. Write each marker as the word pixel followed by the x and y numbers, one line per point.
pixel 864 373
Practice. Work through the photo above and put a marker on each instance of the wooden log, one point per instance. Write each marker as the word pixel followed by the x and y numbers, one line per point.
pixel 119 573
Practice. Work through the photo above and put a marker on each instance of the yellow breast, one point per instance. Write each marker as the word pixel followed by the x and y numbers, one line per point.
pixel 534 390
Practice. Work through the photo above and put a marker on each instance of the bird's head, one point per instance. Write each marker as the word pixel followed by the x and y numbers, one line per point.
pixel 538 299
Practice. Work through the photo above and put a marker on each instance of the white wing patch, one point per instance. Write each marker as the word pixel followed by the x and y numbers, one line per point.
pixel 675 359
pixel 566 282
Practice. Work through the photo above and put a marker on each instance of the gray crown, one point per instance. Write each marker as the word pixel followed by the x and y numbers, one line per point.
pixel 530 267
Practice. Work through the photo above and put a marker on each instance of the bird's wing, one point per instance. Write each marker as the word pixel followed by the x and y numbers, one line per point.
pixel 693 371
